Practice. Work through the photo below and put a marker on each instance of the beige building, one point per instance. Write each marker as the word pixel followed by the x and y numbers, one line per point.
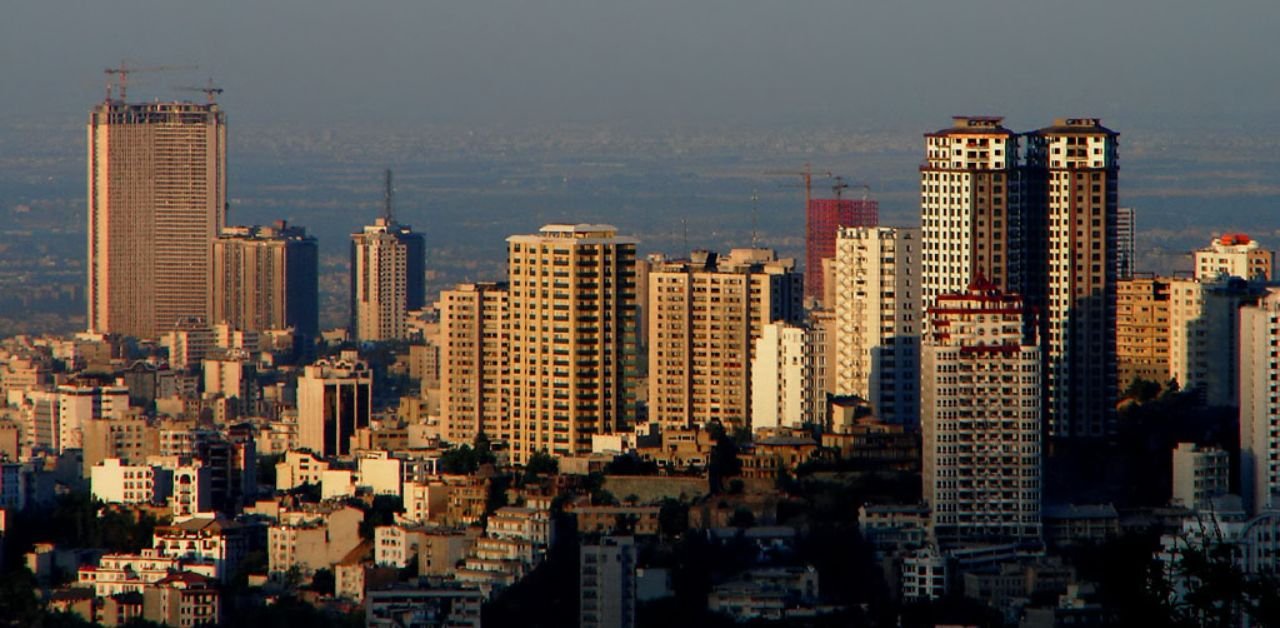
pixel 980 417
pixel 387 279
pixel 265 278
pixel 312 540
pixel 1234 255
pixel 877 307
pixel 334 400
pixel 1076 159
pixel 1259 404
pixel 969 200
pixel 572 342
pixel 473 361
pixel 706 314
pixel 1142 330
pixel 157 196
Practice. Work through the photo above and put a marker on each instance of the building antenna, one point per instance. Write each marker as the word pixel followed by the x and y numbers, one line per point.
pixel 386 198
pixel 755 214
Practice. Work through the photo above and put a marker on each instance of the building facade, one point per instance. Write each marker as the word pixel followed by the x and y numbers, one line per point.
pixel 1234 255
pixel 877 308
pixel 1142 330
pixel 981 419
pixel 335 398
pixel 824 217
pixel 388 266
pixel 265 278
pixel 473 361
pixel 1259 369
pixel 157 195
pixel 572 338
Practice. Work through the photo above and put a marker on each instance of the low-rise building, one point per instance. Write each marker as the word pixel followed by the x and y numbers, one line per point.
pixel 454 608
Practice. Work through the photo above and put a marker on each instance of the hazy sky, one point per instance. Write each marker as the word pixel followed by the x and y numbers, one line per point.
pixel 893 63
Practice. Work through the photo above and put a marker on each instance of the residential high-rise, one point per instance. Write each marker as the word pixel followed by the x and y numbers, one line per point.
pixel 971 223
pixel 1204 336
pixel 1126 242
pixel 473 361
pixel 157 195
pixel 1075 161
pixel 877 308
pixel 1234 255
pixel 1260 404
pixel 572 338
pixel 980 418
pixel 335 398
pixel 706 314
pixel 825 216
pixel 607 573
pixel 388 265
pixel 787 377
pixel 1200 474
pixel 265 278
pixel 1142 330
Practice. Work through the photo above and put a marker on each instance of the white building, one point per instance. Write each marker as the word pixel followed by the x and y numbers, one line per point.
pixel 81 402
pixel 1260 404
pixel 394 545
pixel 785 377
pixel 877 307
pixel 607 582
pixel 192 492
pixel 980 401
pixel 1199 475
pixel 380 472
pixel 115 483
pixel 1234 255
pixel 298 468
pixel 1204 336
pixel 334 400
pixel 207 541
pixel 425 502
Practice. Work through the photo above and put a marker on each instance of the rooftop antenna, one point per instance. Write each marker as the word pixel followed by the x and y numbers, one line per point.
pixel 386 198
pixel 755 213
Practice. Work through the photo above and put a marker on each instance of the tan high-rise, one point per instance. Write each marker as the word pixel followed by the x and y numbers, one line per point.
pixel 265 278
pixel 572 342
pixel 156 197
pixel 473 360
pixel 706 314
pixel 1142 330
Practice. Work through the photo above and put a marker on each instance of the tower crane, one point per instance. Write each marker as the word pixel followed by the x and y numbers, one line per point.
pixel 123 71
pixel 210 90
pixel 806 175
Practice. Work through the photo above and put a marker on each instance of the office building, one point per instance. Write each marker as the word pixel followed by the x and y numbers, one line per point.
pixel 1142 330
pixel 157 195
pixel 971 223
pixel 823 218
pixel 388 266
pixel 1234 255
pixel 877 309
pixel 706 314
pixel 335 398
pixel 572 338
pixel 1259 369
pixel 265 278
pixel 1076 162
pixel 981 419
pixel 473 361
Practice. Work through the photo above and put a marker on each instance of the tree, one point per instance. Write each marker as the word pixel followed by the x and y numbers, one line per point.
pixel 323 582
pixel 540 463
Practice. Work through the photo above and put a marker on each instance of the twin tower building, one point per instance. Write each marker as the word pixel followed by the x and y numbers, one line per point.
pixel 161 256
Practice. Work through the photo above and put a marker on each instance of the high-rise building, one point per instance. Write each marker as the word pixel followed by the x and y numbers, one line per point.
pixel 980 418
pixel 607 572
pixel 1076 161
pixel 1200 474
pixel 1234 255
pixel 787 375
pixel 1204 336
pixel 825 216
pixel 1126 242
pixel 971 221
pixel 877 308
pixel 265 278
pixel 1259 404
pixel 572 338
pixel 1142 330
pixel 473 361
pixel 157 196
pixel 388 265
pixel 335 398
pixel 706 314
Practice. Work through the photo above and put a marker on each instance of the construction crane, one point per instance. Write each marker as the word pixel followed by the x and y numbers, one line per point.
pixel 806 175
pixel 210 90
pixel 840 186
pixel 122 75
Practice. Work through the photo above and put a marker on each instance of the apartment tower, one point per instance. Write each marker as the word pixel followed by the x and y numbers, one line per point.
pixel 157 195
pixel 1142 330
pixel 265 278
pixel 473 361
pixel 981 419
pixel 388 265
pixel 1260 404
pixel 572 338
pixel 823 218
pixel 877 309
pixel 1074 164
pixel 706 314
